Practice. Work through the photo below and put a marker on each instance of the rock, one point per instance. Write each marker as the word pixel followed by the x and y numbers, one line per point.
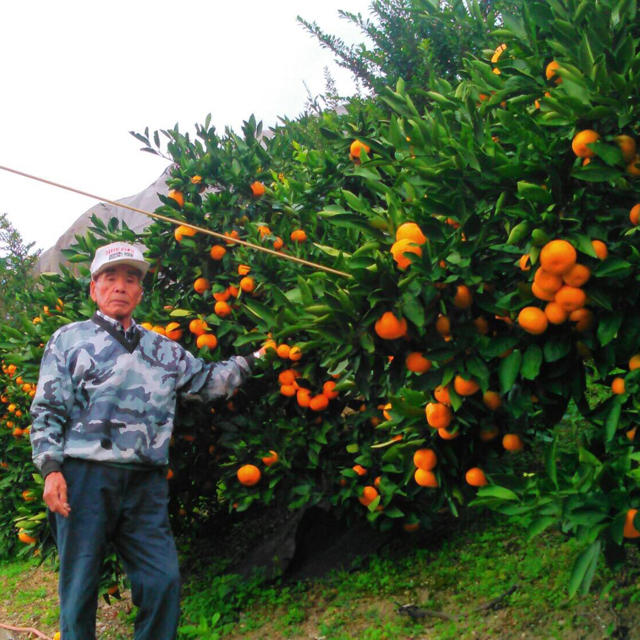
pixel 310 543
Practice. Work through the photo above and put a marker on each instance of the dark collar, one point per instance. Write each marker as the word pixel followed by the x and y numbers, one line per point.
pixel 129 344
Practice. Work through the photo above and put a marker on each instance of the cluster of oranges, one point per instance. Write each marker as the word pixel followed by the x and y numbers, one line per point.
pixel 15 396
pixel 265 232
pixel 222 308
pixel 289 380
pixel 171 330
pixel 368 495
pixel 283 350
pixel 218 251
pixel 199 328
pixel 9 369
pixel 581 146
pixel 559 281
pixel 439 413
pixel 425 460
pixel 409 239
pixel 290 387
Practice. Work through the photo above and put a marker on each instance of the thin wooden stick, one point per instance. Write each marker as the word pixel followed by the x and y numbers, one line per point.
pixel 29 630
pixel 159 216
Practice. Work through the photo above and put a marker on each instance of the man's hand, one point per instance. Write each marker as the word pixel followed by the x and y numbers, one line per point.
pixel 55 493
pixel 260 353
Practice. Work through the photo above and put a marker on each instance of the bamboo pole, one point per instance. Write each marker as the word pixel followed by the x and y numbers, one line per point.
pixel 159 216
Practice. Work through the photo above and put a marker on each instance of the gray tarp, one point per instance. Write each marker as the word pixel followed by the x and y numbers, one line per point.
pixel 146 199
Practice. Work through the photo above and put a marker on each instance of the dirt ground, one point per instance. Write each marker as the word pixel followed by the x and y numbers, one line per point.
pixel 595 620
pixel 31 600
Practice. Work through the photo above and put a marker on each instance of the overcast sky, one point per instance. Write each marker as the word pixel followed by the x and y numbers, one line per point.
pixel 78 76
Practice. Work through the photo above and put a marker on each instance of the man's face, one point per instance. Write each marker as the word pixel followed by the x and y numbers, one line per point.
pixel 117 292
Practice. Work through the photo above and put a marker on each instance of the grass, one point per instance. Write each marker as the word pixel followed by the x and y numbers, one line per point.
pixel 29 601
pixel 450 580
pixel 28 598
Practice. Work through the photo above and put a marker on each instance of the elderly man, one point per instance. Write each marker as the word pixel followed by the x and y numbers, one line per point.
pixel 102 417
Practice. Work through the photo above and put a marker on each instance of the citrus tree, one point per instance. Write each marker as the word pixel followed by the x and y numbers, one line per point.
pixel 470 273
pixel 488 244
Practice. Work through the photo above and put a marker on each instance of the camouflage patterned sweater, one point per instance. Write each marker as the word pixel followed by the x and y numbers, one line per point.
pixel 101 397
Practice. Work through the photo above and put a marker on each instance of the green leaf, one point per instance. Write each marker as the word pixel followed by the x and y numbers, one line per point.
pixel 613 267
pixel 442 100
pixel 613 418
pixel 539 525
pixel 494 491
pixel 551 456
pixel 344 219
pixel 584 569
pixel 247 338
pixel 518 233
pixel 616 528
pixel 306 295
pixel 577 90
pixel 533 192
pixel 515 25
pixel 368 174
pixel 180 313
pixel 355 202
pixel 331 251
pixel 479 370
pixel 508 370
pixel 556 348
pixel 262 312
pixel 586 516
pixel 608 326
pixel 595 173
pixel 531 362
pixel 494 347
pixel 412 309
pixel 611 154
pixel 582 243
pixel 78 257
pixel 367 342
pixel 587 458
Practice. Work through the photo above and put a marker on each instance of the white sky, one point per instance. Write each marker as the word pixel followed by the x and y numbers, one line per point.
pixel 77 76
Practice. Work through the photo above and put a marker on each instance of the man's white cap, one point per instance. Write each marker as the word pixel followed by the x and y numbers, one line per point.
pixel 118 253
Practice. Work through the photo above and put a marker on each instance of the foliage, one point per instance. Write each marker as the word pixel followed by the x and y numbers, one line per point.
pixel 17 261
pixel 415 40
pixel 453 575
pixel 488 174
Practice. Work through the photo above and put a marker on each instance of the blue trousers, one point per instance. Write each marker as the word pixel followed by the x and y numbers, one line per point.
pixel 128 508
